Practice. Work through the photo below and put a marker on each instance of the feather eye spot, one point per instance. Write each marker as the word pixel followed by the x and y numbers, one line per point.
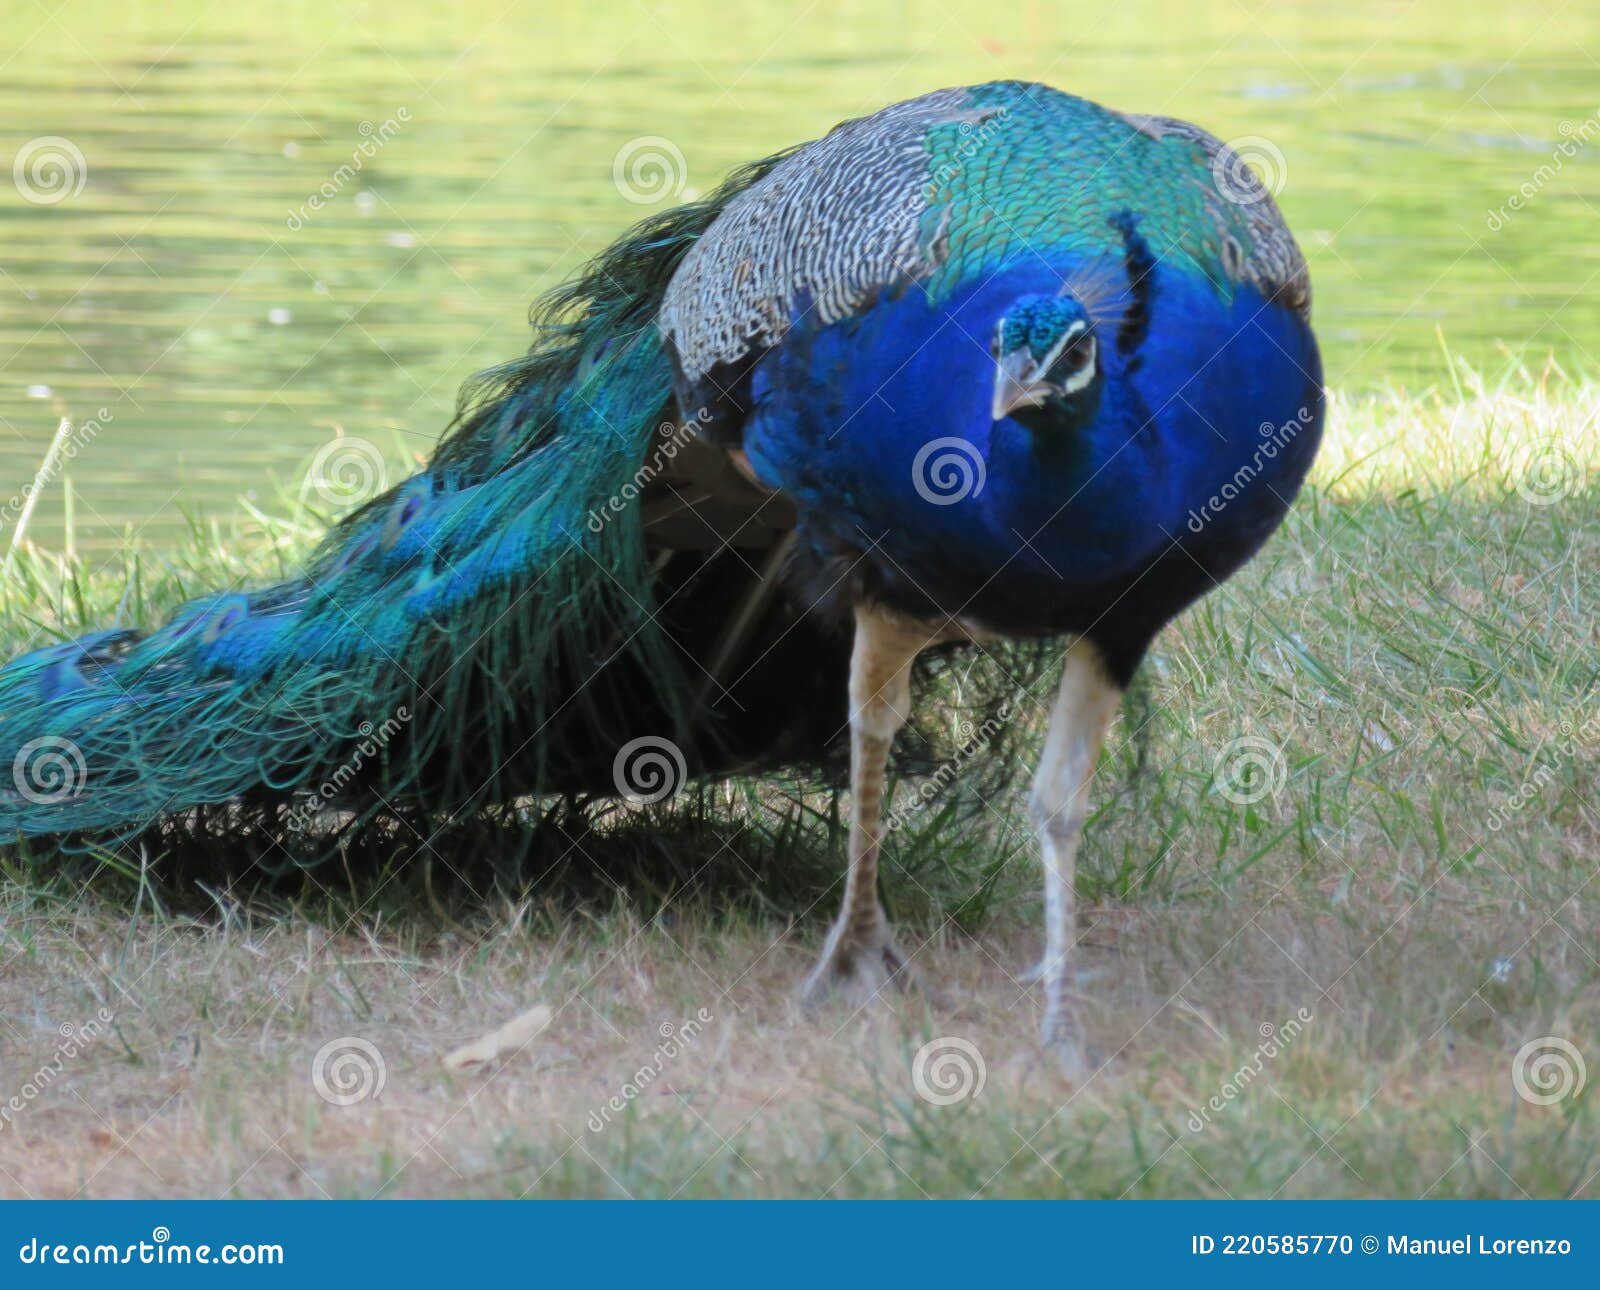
pixel 405 508
pixel 228 613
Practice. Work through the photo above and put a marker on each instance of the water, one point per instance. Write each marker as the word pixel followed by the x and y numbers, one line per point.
pixel 229 329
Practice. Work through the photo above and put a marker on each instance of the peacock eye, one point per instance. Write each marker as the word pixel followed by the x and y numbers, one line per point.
pixel 1076 356
pixel 1074 367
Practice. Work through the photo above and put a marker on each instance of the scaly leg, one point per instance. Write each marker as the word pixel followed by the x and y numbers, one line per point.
pixel 860 956
pixel 1085 704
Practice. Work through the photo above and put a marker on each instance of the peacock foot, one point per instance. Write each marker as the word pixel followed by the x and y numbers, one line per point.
pixel 859 960
pixel 1061 1035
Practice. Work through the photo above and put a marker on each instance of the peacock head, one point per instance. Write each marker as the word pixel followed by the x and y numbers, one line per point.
pixel 1046 359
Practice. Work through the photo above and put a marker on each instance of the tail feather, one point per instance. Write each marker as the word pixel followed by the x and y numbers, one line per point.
pixel 471 610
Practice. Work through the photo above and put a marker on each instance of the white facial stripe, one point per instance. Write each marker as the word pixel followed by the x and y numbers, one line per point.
pixel 1077 329
pixel 1083 375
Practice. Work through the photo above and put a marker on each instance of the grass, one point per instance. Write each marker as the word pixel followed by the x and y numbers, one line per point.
pixel 1352 800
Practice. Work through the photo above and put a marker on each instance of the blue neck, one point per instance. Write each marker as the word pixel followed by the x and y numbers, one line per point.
pixel 1065 511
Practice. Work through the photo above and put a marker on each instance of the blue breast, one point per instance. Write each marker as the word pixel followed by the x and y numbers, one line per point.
pixel 1037 532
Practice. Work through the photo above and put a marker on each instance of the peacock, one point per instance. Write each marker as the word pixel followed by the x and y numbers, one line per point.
pixel 992 364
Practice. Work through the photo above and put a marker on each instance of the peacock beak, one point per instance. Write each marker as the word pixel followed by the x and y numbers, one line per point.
pixel 1017 384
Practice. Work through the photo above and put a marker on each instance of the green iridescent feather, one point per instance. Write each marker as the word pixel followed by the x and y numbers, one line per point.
pixel 465 606
pixel 1211 213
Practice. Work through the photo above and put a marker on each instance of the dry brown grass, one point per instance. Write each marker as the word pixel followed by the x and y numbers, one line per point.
pixel 1399 1083
pixel 1420 648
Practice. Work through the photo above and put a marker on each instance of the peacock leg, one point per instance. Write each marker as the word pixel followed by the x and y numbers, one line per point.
pixel 860 956
pixel 1085 703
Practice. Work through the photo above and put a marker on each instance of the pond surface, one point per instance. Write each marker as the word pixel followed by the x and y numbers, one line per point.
pixel 231 319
